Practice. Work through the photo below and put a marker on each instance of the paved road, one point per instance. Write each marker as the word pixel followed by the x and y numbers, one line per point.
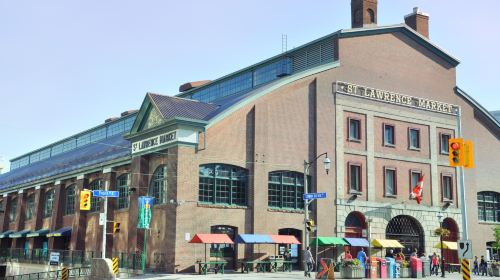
pixel 279 275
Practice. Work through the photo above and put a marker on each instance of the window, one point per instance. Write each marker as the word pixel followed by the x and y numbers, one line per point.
pixel 94 201
pixel 447 187
pixel 414 178
pixel 158 185
pixel 285 190
pixel 390 181
pixel 443 143
pixel 488 206
pixel 354 177
pixel 389 139
pixel 30 207
pixel 354 129
pixel 122 184
pixel 13 210
pixel 414 138
pixel 49 203
pixel 69 207
pixel 223 184
pixel 371 15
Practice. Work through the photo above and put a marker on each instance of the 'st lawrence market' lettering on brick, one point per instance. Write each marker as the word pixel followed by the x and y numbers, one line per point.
pixel 396 98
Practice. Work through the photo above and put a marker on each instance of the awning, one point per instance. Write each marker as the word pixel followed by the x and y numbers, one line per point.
pixel 447 245
pixel 254 239
pixel 386 243
pixel 284 239
pixel 20 234
pixel 65 231
pixel 211 238
pixel 40 232
pixel 6 234
pixel 358 242
pixel 328 241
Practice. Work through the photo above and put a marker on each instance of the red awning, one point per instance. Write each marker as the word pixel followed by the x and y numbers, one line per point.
pixel 284 239
pixel 211 238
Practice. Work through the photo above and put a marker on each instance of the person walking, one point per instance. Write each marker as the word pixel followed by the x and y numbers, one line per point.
pixel 309 262
pixel 435 264
pixel 483 267
pixel 476 266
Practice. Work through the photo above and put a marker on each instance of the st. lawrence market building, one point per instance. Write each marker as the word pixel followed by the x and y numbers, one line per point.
pixel 227 156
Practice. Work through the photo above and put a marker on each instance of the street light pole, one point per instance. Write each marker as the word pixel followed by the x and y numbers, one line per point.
pixel 441 218
pixel 307 166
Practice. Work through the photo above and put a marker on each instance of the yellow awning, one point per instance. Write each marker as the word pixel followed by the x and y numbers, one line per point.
pixel 386 243
pixel 447 245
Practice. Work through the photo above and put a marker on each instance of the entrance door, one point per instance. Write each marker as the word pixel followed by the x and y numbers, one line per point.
pixel 450 256
pixel 295 249
pixel 224 251
pixel 408 231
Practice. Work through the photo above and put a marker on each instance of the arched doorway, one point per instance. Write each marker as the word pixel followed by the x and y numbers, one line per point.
pixel 224 251
pixel 295 249
pixel 355 224
pixel 408 231
pixel 450 256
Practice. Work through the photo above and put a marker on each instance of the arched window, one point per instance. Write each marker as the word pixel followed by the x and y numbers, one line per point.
pixel 371 15
pixel 158 184
pixel 49 203
pixel 488 204
pixel 30 207
pixel 69 208
pixel 122 184
pixel 223 184
pixel 94 202
pixel 13 210
pixel 285 190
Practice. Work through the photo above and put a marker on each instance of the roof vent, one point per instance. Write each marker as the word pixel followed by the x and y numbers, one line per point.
pixel 191 85
pixel 111 119
pixel 128 112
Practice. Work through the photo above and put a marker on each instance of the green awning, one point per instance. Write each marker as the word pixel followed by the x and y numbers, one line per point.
pixel 6 234
pixel 20 234
pixel 329 241
pixel 40 232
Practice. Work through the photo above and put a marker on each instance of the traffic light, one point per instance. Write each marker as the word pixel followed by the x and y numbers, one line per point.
pixel 116 227
pixel 310 225
pixel 456 152
pixel 85 197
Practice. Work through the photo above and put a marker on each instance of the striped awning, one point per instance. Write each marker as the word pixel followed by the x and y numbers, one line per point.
pixel 386 243
pixel 38 233
pixel 6 234
pixel 65 231
pixel 20 234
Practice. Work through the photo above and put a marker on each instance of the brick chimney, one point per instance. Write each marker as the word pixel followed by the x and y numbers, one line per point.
pixel 363 13
pixel 418 21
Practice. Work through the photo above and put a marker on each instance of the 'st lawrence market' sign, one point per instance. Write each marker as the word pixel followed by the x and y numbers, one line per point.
pixel 396 98
pixel 153 142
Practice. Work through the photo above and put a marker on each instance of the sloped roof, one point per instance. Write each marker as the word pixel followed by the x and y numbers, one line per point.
pixel 108 149
pixel 170 107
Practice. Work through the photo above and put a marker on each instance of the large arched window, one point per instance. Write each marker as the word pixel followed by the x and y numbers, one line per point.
pixel 49 203
pixel 122 184
pixel 69 207
pixel 285 190
pixel 223 184
pixel 488 204
pixel 13 210
pixel 94 202
pixel 30 207
pixel 158 185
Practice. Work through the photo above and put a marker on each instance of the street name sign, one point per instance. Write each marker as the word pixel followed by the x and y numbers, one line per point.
pixel 309 196
pixel 102 193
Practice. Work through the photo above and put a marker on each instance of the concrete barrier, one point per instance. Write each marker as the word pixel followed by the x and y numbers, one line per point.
pixel 102 269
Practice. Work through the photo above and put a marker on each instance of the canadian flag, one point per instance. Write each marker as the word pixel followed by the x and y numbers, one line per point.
pixel 416 193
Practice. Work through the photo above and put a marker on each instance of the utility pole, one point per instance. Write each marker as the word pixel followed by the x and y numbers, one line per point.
pixel 104 227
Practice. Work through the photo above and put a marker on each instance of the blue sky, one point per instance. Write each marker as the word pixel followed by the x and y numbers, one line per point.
pixel 66 66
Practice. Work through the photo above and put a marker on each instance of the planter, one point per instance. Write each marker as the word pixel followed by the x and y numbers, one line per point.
pixel 352 272
pixel 496 271
pixel 405 272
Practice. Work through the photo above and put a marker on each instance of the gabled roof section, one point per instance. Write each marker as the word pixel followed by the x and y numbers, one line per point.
pixel 171 107
pixel 405 29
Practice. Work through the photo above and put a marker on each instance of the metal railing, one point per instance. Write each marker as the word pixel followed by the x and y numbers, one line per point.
pixel 79 272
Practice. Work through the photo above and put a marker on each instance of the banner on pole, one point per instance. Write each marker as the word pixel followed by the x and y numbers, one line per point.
pixel 145 211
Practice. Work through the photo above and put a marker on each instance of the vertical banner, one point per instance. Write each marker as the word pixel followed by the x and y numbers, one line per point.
pixel 145 211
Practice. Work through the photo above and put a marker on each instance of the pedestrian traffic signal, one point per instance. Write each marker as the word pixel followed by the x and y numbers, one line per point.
pixel 116 227
pixel 85 197
pixel 456 152
pixel 310 225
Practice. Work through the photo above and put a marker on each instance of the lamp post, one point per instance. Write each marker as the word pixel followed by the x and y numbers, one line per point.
pixel 307 166
pixel 440 217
